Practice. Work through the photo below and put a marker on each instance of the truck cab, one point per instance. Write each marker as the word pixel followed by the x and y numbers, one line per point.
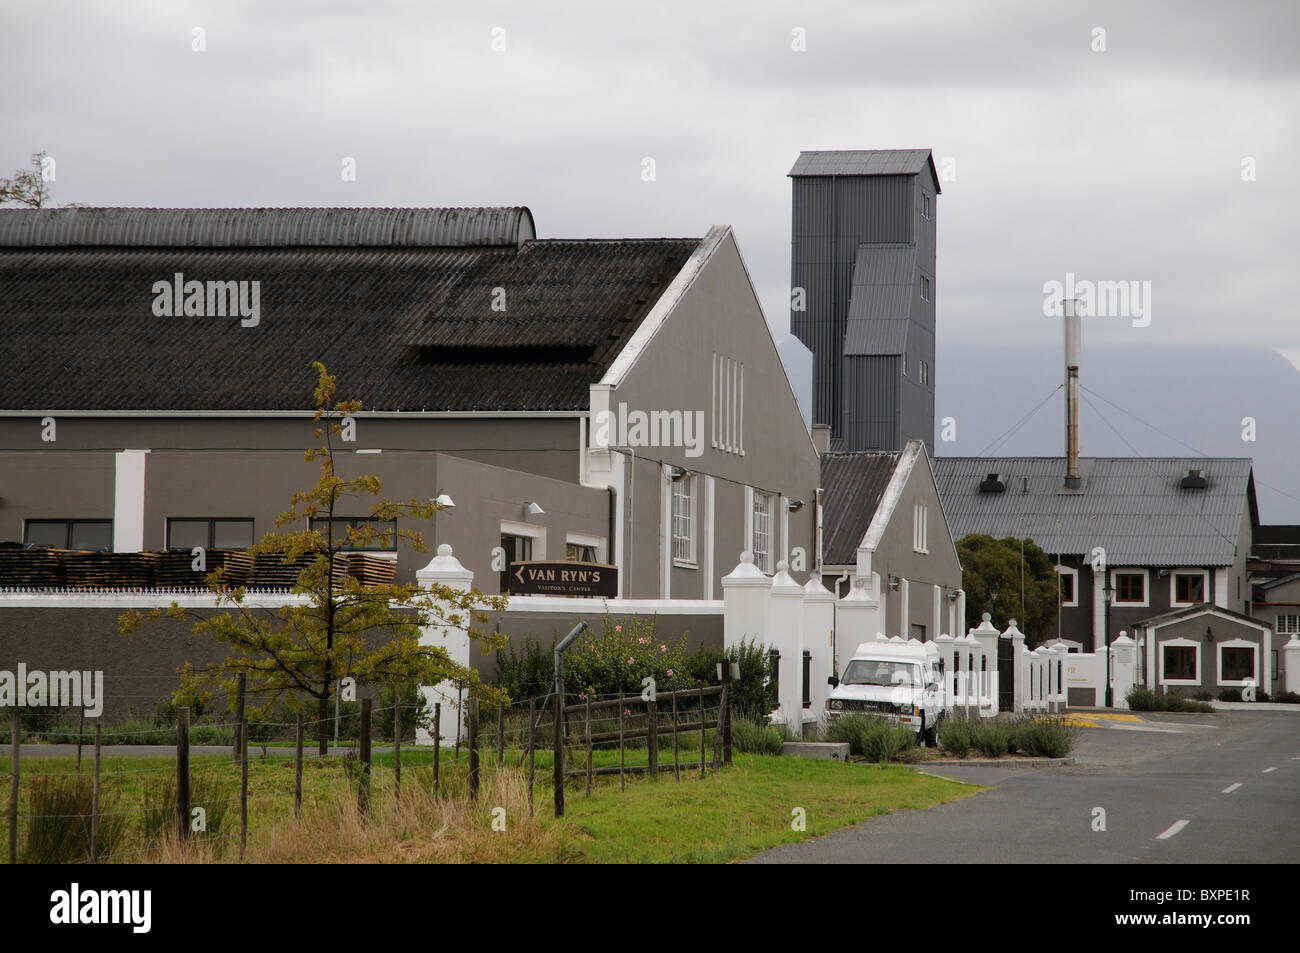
pixel 899 681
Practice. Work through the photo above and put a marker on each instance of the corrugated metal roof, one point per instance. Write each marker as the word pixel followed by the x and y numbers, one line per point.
pixel 852 484
pixel 267 227
pixel 401 328
pixel 1131 506
pixel 862 162
pixel 881 298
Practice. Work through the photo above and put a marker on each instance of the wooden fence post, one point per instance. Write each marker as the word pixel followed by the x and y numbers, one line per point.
pixel 473 749
pixel 243 787
pixel 297 770
pixel 622 781
pixel 239 716
pixel 677 769
pixel 397 746
pixel 13 788
pixel 720 730
pixel 557 732
pixel 702 729
pixel 532 740
pixel 501 734
pixel 589 745
pixel 183 774
pixel 94 803
pixel 460 707
pixel 726 708
pixel 652 738
pixel 81 729
pixel 437 744
pixel 363 789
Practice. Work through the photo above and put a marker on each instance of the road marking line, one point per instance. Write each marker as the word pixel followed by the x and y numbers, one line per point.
pixel 1178 826
pixel 1267 770
pixel 1230 788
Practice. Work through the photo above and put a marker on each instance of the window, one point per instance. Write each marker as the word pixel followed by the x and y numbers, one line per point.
pixel 1288 625
pixel 1130 587
pixel 763 530
pixel 728 405
pixel 209 534
pixel 1236 663
pixel 920 528
pixel 1069 585
pixel 684 520
pixel 925 288
pixel 518 549
pixel 1189 587
pixel 925 207
pixel 1180 663
pixel 923 372
pixel 379 534
pixel 69 534
pixel 580 552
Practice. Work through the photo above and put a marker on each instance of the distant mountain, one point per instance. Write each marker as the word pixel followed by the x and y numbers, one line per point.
pixel 1136 401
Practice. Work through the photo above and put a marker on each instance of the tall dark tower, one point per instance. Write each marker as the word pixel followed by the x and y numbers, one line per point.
pixel 863 253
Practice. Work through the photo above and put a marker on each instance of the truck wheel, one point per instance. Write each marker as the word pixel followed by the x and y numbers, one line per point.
pixel 929 735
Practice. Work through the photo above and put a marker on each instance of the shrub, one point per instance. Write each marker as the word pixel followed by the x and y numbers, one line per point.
pixel 1230 695
pixel 993 737
pixel 1287 698
pixel 528 673
pixel 755 737
pixel 955 735
pixel 59 825
pixel 1044 736
pixel 415 711
pixel 872 738
pixel 1144 699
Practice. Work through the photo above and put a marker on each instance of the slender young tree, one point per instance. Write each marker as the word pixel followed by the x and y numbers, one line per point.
pixel 343 629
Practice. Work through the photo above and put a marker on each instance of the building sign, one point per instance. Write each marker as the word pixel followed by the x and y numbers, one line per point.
pixel 539 578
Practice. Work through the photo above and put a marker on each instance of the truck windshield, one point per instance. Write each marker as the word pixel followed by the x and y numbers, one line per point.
pixel 881 672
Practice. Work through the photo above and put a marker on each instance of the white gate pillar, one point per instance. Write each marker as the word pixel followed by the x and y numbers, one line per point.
pixel 786 636
pixel 1123 662
pixel 858 619
pixel 745 592
pixel 445 570
pixel 819 640
pixel 1291 663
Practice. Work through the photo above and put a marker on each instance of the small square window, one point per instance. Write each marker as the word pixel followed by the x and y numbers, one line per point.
pixel 1238 664
pixel 1180 662
pixel 1189 587
pixel 1130 587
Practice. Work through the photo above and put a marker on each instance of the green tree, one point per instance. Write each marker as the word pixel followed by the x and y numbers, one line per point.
pixel 990 566
pixel 344 630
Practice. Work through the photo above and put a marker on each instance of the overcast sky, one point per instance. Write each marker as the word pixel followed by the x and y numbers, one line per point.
pixel 1122 164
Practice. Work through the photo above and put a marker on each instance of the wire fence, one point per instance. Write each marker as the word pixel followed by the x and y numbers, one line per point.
pixel 140 809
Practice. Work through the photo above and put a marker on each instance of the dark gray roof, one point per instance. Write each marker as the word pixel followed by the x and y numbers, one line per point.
pixel 880 301
pixel 852 484
pixel 1131 506
pixel 1280 581
pixel 266 227
pixel 1276 542
pixel 1200 609
pixel 402 328
pixel 864 162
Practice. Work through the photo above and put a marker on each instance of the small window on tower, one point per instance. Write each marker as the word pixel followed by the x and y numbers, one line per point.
pixel 925 288
pixel 925 206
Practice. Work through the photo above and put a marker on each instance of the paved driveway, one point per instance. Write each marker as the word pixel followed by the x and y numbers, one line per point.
pixel 1222 788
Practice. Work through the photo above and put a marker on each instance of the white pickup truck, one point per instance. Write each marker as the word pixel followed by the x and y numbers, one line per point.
pixel 902 682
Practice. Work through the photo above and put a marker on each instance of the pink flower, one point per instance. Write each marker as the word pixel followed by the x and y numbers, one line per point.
pixel 582 696
pixel 670 673
pixel 618 628
pixel 642 641
pixel 663 648
pixel 627 711
pixel 631 661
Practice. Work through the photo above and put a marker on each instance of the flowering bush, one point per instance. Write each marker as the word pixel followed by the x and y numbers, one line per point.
pixel 619 656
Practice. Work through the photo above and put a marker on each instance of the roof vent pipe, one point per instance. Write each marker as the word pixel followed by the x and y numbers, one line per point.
pixel 1073 345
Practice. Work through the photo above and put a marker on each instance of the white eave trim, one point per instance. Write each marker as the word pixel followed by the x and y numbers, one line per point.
pixel 663 307
pixel 889 499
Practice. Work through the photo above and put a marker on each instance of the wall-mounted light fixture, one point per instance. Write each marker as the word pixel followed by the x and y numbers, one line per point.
pixel 443 501
pixel 1209 634
pixel 953 595
pixel 533 509
pixel 794 506
pixel 680 473
pixel 894 582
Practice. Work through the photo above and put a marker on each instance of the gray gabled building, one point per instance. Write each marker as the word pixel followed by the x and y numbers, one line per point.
pixel 862 275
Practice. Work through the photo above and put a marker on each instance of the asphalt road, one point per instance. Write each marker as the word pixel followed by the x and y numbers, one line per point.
pixel 1175 789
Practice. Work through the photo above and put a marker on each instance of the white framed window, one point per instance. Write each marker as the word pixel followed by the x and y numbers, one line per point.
pixel 1238 661
pixel 581 548
pixel 1069 586
pixel 1287 625
pixel 1188 587
pixel 925 207
pixel 925 288
pixel 1180 662
pixel 520 542
pixel 764 503
pixel 685 521
pixel 728 434
pixel 920 528
pixel 1130 588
